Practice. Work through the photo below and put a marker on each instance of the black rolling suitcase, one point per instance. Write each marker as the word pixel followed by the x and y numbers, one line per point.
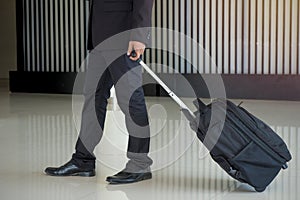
pixel 244 146
pixel 247 149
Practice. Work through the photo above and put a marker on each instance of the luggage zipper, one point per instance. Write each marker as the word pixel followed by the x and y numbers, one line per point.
pixel 253 124
pixel 268 149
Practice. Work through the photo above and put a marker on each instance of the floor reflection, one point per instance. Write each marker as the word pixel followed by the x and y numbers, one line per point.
pixel 34 136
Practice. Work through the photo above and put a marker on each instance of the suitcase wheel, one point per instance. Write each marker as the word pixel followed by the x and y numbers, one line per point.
pixel 260 189
pixel 285 166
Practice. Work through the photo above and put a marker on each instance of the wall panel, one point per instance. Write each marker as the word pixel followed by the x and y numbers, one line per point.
pixel 236 38
pixel 242 37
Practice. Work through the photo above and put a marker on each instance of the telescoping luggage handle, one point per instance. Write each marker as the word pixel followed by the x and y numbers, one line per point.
pixel 186 111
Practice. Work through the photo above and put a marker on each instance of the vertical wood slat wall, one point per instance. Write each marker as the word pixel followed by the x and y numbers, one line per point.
pixel 54 35
pixel 242 37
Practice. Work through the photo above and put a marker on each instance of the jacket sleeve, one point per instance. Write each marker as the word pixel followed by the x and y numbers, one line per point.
pixel 141 21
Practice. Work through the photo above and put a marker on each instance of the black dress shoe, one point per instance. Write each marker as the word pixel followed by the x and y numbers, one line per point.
pixel 126 177
pixel 70 169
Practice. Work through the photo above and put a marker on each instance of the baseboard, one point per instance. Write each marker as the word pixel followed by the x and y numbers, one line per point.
pixel 266 87
pixel 42 82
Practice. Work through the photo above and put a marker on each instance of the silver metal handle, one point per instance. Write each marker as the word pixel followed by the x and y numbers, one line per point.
pixel 182 105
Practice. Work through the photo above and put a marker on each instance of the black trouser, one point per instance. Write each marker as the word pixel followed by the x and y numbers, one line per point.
pixel 126 76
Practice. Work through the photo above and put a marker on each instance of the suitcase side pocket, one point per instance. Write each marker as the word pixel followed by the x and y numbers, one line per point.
pixel 262 133
pixel 271 138
pixel 256 167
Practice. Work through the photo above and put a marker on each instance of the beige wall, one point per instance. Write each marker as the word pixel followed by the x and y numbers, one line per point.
pixel 8 50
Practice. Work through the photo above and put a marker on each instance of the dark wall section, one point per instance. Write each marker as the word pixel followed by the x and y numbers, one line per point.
pixel 42 82
pixel 275 87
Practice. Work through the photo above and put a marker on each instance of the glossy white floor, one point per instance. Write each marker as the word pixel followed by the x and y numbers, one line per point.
pixel 37 131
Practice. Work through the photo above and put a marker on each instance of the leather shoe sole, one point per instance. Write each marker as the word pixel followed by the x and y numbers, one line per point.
pixel 70 169
pixel 82 174
pixel 131 178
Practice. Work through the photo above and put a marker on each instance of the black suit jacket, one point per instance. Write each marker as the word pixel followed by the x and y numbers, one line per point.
pixel 110 17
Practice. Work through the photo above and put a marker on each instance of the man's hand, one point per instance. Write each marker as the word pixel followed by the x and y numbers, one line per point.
pixel 138 47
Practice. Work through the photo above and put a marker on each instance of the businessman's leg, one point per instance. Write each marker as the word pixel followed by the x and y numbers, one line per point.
pixel 127 78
